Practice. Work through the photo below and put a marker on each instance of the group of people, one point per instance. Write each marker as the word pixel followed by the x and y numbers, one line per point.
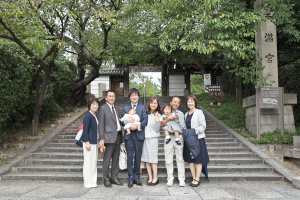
pixel 141 134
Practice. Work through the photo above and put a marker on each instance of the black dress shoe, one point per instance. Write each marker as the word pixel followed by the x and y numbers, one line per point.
pixel 107 184
pixel 130 184
pixel 138 182
pixel 116 182
pixel 152 184
pixel 148 183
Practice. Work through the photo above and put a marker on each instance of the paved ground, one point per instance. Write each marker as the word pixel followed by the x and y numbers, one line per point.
pixel 51 190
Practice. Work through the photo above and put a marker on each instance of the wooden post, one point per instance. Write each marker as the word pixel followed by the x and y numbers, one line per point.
pixel 188 81
pixel 126 81
pixel 164 81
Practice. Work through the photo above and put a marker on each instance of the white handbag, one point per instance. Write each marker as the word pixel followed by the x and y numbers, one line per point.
pixel 77 139
pixel 123 158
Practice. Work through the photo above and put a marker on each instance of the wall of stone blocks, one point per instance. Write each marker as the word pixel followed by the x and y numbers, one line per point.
pixel 270 119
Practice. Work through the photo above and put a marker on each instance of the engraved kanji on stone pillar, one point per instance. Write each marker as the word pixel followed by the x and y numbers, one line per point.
pixel 269 58
pixel 266 45
pixel 268 15
pixel 269 37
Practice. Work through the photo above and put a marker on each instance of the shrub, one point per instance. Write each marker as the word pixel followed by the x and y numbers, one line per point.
pixel 276 137
pixel 229 112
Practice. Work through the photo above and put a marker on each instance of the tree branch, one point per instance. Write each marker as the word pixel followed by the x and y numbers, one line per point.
pixel 25 48
pixel 71 52
pixel 50 51
pixel 7 37
pixel 112 1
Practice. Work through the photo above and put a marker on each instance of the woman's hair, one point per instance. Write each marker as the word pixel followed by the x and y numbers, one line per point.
pixel 167 105
pixel 193 97
pixel 91 101
pixel 158 109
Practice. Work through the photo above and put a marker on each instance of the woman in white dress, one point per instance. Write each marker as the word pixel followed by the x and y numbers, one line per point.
pixel 90 145
pixel 152 134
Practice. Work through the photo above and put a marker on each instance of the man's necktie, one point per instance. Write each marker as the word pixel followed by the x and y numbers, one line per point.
pixel 134 106
pixel 114 114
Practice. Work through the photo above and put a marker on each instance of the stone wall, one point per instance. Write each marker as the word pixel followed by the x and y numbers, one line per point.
pixel 270 118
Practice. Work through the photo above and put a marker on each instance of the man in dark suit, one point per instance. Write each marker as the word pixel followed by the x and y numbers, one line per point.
pixel 134 141
pixel 111 135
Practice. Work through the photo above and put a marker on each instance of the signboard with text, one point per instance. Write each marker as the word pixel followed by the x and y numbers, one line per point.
pixel 145 68
pixel 271 98
pixel 207 82
pixel 215 90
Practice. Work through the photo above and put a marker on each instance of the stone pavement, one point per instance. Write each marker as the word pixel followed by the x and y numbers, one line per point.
pixel 52 190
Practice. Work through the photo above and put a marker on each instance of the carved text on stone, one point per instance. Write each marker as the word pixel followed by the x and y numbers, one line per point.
pixel 269 58
pixel 269 37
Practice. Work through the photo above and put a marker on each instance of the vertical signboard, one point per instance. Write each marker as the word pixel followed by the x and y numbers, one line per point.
pixel 269 97
pixel 207 82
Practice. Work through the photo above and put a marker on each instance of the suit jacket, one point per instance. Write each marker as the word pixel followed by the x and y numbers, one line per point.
pixel 141 112
pixel 90 129
pixel 198 123
pixel 107 125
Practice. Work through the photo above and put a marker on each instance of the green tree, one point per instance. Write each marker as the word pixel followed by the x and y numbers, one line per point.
pixel 139 80
pixel 197 84
pixel 21 24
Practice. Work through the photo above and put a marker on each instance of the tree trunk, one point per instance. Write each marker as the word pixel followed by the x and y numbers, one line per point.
pixel 239 94
pixel 39 98
pixel 78 92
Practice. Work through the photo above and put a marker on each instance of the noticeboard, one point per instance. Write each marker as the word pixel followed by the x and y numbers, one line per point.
pixel 214 90
pixel 207 82
pixel 271 98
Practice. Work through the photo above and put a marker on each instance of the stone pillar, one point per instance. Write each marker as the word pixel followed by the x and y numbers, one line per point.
pixel 266 47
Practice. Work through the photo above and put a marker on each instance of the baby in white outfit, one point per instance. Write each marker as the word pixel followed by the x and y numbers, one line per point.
pixel 132 113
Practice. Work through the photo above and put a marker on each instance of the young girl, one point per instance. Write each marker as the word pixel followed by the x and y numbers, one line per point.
pixel 171 126
pixel 132 113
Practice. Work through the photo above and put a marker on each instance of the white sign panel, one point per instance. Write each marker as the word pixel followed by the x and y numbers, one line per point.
pixel 207 81
pixel 145 68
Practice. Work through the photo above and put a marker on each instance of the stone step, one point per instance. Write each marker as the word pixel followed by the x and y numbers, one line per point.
pixel 208 140
pixel 215 144
pixel 161 161
pixel 79 149
pixel 161 155
pixel 211 135
pixel 70 129
pixel 160 168
pixel 123 177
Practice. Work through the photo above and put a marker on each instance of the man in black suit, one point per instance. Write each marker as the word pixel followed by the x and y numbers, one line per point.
pixel 110 135
pixel 135 139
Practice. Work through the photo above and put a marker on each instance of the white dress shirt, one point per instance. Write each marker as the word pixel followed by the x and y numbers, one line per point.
pixel 135 105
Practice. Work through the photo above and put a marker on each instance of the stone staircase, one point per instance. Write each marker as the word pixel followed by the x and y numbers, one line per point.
pixel 61 160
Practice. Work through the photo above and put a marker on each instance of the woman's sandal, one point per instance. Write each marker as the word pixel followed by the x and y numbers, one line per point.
pixel 196 185
pixel 191 184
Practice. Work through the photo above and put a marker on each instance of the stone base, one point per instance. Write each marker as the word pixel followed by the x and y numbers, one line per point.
pixel 270 118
